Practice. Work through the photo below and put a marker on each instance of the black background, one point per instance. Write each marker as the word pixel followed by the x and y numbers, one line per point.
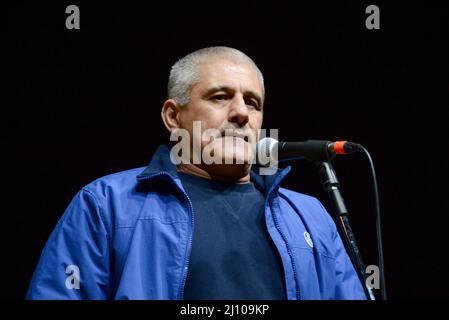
pixel 79 104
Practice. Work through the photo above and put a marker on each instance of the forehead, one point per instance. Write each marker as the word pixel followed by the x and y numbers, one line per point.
pixel 239 75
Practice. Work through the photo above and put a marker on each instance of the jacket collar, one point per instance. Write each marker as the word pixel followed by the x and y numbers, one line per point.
pixel 160 163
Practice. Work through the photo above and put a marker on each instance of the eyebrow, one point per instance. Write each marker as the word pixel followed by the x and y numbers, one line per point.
pixel 228 89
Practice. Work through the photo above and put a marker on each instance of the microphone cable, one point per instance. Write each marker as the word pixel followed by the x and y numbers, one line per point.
pixel 383 287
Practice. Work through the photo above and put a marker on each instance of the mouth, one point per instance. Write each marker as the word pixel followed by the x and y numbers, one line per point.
pixel 236 135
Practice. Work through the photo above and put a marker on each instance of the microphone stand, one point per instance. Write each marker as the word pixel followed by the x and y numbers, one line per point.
pixel 330 184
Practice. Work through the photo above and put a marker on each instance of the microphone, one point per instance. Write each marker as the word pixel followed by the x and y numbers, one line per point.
pixel 314 150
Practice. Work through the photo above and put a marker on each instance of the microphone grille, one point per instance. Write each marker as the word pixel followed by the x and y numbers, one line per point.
pixel 265 145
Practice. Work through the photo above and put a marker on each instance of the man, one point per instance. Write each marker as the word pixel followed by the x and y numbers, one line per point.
pixel 196 229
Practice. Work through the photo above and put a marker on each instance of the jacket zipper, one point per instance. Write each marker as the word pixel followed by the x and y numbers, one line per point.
pixel 189 247
pixel 276 223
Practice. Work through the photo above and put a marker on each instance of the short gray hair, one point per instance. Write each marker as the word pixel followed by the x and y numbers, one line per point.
pixel 184 74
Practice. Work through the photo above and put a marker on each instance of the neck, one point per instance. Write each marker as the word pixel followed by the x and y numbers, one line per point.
pixel 238 175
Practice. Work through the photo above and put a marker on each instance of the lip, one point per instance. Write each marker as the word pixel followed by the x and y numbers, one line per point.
pixel 237 135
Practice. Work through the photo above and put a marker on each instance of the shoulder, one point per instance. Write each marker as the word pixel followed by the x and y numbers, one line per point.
pixel 301 199
pixel 297 195
pixel 117 182
pixel 310 209
pixel 115 196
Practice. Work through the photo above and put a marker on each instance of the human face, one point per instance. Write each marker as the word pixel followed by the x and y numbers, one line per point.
pixel 228 97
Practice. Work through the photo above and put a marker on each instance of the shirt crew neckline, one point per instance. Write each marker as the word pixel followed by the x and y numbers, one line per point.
pixel 217 186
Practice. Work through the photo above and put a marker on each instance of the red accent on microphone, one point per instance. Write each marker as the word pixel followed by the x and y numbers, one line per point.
pixel 339 147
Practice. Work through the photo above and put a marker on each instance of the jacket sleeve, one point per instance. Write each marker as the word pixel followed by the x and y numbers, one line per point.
pixel 348 285
pixel 75 261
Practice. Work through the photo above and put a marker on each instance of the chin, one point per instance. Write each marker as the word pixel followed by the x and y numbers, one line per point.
pixel 240 156
pixel 235 160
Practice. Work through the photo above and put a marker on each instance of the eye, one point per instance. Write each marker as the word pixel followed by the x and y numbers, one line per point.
pixel 253 103
pixel 220 97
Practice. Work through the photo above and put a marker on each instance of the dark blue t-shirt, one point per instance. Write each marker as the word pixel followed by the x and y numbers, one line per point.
pixel 233 256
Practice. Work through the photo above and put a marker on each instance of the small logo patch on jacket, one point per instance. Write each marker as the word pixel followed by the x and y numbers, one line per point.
pixel 308 239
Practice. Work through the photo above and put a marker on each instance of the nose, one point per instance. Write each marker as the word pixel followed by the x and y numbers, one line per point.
pixel 238 112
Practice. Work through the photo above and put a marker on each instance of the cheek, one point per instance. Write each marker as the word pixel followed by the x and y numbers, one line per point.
pixel 256 121
pixel 209 128
pixel 213 120
pixel 255 125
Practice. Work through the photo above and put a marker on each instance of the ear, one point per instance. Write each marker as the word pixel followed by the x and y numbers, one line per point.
pixel 170 115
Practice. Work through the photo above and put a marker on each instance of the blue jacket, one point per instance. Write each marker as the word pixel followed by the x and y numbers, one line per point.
pixel 128 238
